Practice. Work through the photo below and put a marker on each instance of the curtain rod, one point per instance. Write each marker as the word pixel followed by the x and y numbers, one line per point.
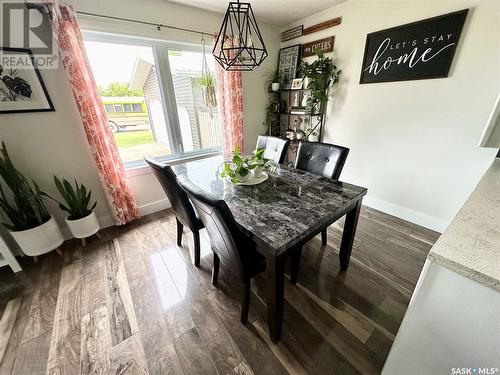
pixel 157 25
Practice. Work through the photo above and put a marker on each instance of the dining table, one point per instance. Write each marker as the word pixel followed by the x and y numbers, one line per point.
pixel 280 215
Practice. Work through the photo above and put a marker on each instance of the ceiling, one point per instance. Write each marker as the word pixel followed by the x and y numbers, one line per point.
pixel 278 12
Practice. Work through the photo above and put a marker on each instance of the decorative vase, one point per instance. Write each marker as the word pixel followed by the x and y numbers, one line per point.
pixel 275 86
pixel 313 138
pixel 305 83
pixel 39 240
pixel 84 227
pixel 304 100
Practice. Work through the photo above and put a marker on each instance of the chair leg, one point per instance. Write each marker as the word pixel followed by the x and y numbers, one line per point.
pixel 245 302
pixel 294 266
pixel 215 270
pixel 196 238
pixel 180 227
pixel 324 237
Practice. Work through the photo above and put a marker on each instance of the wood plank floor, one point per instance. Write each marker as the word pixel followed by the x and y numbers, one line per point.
pixel 133 303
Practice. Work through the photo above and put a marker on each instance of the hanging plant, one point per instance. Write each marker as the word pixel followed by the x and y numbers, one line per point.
pixel 206 82
pixel 321 74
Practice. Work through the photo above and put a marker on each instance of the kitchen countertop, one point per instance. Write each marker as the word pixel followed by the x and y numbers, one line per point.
pixel 471 244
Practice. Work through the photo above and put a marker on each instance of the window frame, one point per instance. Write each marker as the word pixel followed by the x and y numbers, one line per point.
pixel 160 50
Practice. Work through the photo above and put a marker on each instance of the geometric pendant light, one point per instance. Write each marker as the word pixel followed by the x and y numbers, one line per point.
pixel 239 44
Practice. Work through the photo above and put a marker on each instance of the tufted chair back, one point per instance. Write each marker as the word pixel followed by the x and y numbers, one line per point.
pixel 321 158
pixel 276 148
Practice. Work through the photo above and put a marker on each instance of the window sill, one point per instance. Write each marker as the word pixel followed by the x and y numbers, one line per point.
pixel 140 167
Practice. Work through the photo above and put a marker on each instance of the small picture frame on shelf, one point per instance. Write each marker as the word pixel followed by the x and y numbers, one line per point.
pixel 296 84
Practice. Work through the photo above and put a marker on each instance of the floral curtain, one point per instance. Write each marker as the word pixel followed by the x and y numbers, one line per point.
pixel 100 138
pixel 230 105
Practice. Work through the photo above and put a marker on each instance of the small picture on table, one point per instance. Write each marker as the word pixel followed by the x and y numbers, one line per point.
pixel 297 84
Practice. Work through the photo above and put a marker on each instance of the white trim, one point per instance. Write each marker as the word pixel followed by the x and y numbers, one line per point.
pixel 153 207
pixel 408 214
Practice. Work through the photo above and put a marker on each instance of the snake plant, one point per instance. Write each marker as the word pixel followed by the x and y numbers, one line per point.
pixel 76 199
pixel 24 206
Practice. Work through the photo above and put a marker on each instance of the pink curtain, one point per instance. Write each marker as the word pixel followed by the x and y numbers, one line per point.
pixel 109 165
pixel 230 105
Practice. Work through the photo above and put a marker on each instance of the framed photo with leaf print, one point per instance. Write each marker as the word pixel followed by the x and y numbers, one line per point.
pixel 21 85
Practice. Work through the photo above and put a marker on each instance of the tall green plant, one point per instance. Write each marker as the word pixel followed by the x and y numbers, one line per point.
pixel 76 200
pixel 321 73
pixel 24 207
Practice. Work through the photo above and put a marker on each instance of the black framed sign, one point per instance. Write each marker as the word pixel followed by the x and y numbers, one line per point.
pixel 418 50
pixel 288 64
pixel 21 85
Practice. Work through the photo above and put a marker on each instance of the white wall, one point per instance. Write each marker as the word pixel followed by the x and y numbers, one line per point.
pixel 413 143
pixel 43 144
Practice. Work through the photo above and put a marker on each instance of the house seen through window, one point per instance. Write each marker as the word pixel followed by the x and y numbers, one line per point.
pixel 153 110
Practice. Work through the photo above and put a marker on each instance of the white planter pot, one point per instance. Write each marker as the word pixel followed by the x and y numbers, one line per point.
pixel 85 227
pixel 39 240
pixel 305 83
pixel 257 172
pixel 242 178
pixel 275 86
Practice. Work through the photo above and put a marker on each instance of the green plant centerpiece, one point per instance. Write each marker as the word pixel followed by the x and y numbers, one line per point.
pixel 240 167
pixel 322 73
pixel 34 229
pixel 25 206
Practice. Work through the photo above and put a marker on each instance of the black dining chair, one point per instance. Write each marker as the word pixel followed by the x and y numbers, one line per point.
pixel 275 148
pixel 323 159
pixel 229 245
pixel 185 215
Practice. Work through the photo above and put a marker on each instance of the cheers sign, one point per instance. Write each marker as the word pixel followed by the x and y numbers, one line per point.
pixel 325 45
pixel 418 50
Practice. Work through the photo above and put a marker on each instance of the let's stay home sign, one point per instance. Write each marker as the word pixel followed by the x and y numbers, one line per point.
pixel 418 50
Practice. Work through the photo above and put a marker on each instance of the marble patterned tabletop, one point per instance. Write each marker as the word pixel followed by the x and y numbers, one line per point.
pixel 281 211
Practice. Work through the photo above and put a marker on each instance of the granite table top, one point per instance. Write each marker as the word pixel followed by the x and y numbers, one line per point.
pixel 281 211
pixel 471 244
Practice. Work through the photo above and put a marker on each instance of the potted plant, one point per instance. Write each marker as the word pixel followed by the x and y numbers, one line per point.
pixel 237 170
pixel 258 163
pixel 272 118
pixel 321 74
pixel 34 229
pixel 81 218
pixel 207 84
pixel 274 80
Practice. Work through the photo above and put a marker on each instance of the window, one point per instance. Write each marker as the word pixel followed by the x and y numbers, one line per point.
pixel 151 98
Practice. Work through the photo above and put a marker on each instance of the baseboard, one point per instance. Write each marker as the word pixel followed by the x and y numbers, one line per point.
pixel 407 214
pixel 153 207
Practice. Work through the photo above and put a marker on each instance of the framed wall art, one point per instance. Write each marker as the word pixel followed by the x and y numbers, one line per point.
pixel 288 64
pixel 418 50
pixel 21 85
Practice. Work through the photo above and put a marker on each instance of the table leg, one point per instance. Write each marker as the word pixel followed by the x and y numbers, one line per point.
pixel 275 269
pixel 351 222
